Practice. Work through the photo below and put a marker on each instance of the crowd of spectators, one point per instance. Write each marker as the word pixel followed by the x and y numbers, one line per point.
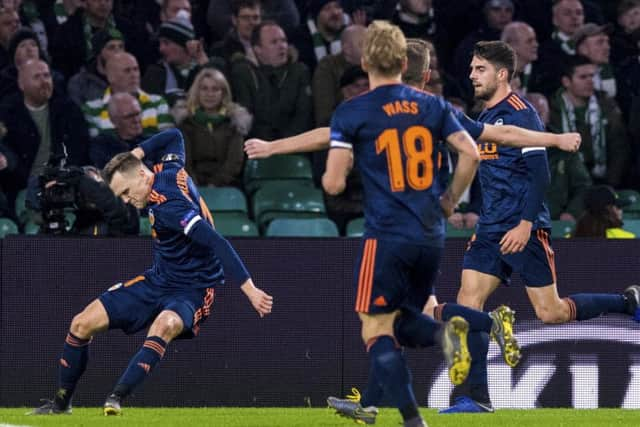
pixel 87 79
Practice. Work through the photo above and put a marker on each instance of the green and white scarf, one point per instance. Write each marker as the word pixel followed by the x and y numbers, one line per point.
pixel 604 80
pixel 88 33
pixel 597 123
pixel 565 42
pixel 320 44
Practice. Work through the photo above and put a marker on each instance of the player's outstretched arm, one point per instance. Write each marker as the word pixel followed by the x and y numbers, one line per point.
pixel 515 136
pixel 468 160
pixel 339 164
pixel 313 140
pixel 260 300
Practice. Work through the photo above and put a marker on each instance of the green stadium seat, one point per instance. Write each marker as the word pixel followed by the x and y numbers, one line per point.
pixel 632 225
pixel 633 210
pixel 310 227
pixel 237 225
pixel 21 208
pixel 459 232
pixel 287 200
pixel 7 227
pixel 355 227
pixel 31 228
pixel 224 199
pixel 292 167
pixel 562 229
pixel 145 226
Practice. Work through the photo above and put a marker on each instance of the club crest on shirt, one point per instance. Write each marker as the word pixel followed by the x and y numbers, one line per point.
pixel 499 122
pixel 187 218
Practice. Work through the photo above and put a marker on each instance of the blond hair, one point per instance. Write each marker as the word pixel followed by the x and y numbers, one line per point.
pixel 385 48
pixel 193 96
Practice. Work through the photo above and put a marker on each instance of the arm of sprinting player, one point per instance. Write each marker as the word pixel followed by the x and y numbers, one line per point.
pixel 202 233
pixel 468 160
pixel 339 164
pixel 516 239
pixel 515 136
pixel 313 140
pixel 168 141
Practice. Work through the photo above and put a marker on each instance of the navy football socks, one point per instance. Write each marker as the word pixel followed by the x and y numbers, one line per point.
pixel 478 320
pixel 73 362
pixel 392 372
pixel 140 365
pixel 588 306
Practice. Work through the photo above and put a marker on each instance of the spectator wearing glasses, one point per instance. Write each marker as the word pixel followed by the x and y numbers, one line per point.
pixel 245 16
pixel 126 115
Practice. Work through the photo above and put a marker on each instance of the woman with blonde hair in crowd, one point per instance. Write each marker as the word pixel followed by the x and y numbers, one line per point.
pixel 214 131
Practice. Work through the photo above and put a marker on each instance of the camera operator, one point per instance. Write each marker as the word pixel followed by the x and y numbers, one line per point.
pixel 98 211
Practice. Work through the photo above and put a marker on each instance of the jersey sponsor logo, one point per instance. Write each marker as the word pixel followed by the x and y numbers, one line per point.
pixel 586 365
pixel 488 150
pixel 400 107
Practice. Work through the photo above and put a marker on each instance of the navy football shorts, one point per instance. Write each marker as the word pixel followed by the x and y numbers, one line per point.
pixel 535 263
pixel 134 305
pixel 392 275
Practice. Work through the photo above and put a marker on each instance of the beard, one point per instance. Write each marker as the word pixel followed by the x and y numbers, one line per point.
pixel 486 92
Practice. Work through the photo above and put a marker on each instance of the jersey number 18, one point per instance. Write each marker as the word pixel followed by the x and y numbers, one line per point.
pixel 417 144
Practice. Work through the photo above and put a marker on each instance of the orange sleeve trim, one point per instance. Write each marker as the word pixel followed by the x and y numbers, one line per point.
pixel 133 281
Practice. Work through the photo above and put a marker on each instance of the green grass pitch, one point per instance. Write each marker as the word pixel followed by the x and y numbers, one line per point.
pixel 298 417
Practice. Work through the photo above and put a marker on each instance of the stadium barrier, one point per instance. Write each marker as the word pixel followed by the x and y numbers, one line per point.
pixel 309 347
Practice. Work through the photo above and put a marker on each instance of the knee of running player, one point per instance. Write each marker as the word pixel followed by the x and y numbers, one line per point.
pixel 167 326
pixel 470 299
pixel 82 326
pixel 377 325
pixel 556 312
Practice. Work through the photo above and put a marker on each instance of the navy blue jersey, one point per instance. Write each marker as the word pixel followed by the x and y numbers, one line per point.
pixel 174 209
pixel 393 131
pixel 504 176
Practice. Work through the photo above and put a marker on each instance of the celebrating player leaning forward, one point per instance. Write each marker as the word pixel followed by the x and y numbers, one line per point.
pixel 175 295
pixel 513 229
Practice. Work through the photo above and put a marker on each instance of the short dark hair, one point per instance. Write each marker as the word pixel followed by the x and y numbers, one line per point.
pixel 570 64
pixel 122 162
pixel 498 53
pixel 236 5
pixel 417 61
pixel 257 31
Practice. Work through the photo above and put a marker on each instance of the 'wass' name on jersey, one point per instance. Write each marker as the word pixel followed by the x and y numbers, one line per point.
pixel 401 107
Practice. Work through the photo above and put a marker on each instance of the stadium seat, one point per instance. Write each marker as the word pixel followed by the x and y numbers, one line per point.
pixel 632 225
pixel 287 200
pixel 237 225
pixel 292 167
pixel 145 226
pixel 633 210
pixel 459 232
pixel 310 227
pixel 562 229
pixel 355 227
pixel 7 227
pixel 224 199
pixel 31 228
pixel 21 208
